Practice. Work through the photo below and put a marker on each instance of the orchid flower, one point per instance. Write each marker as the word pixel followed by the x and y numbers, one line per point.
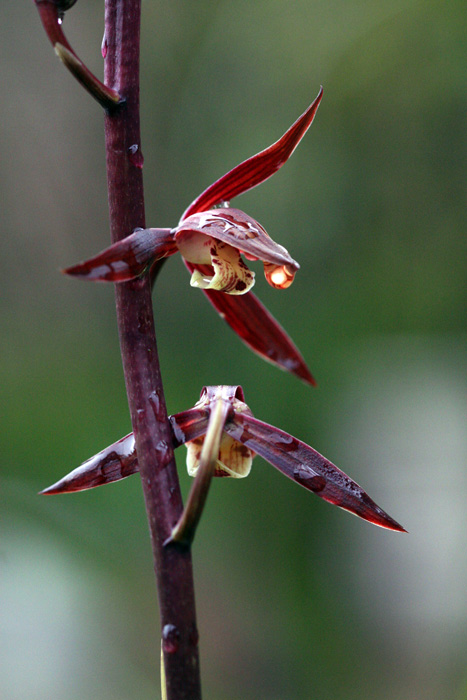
pixel 222 438
pixel 212 242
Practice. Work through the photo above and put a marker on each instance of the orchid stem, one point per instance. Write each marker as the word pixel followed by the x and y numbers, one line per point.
pixel 141 364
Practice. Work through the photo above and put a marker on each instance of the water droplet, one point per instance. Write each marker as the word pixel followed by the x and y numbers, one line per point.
pixel 162 447
pixel 170 639
pixel 155 402
pixel 135 156
pixel 309 479
pixel 284 441
pixel 104 46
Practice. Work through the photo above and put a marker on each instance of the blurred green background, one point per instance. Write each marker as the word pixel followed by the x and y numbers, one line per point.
pixel 296 599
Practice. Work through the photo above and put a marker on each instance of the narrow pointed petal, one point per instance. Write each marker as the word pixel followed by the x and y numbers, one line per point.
pixel 258 168
pixel 128 258
pixel 188 425
pixel 253 323
pixel 115 462
pixel 308 468
pixel 240 231
pixel 120 460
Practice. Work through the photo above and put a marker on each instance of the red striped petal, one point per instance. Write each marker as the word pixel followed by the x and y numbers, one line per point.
pixel 250 320
pixel 240 231
pixel 120 460
pixel 128 258
pixel 308 468
pixel 258 168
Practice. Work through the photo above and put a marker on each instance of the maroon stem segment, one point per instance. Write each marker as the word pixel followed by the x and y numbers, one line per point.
pixel 140 359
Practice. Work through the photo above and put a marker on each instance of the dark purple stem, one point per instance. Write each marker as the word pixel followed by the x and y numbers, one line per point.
pixel 140 359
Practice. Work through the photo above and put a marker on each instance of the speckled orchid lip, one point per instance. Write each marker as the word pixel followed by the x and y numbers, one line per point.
pixel 229 231
pixel 297 460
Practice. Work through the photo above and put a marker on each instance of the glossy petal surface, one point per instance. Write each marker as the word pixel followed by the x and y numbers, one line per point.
pixel 303 464
pixel 127 258
pixel 258 168
pixel 119 460
pixel 237 229
pixel 258 329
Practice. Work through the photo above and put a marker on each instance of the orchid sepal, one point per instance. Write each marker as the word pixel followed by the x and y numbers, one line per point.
pixel 309 468
pixel 258 168
pixel 260 331
pixel 119 460
pixel 221 407
pixel 127 259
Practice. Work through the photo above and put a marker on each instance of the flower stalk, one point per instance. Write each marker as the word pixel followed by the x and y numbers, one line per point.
pixel 153 437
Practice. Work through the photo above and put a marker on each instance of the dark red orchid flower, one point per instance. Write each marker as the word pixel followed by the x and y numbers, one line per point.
pixel 212 242
pixel 222 438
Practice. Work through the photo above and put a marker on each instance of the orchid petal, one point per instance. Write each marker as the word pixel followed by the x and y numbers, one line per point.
pixel 120 460
pixel 258 168
pixel 259 330
pixel 308 468
pixel 128 258
pixel 115 462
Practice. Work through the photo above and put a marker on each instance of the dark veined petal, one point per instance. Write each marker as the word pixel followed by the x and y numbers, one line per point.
pixel 111 464
pixel 120 460
pixel 258 168
pixel 308 468
pixel 240 231
pixel 128 258
pixel 253 323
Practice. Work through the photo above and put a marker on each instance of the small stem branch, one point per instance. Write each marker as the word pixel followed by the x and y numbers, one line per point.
pixel 140 360
pixel 50 12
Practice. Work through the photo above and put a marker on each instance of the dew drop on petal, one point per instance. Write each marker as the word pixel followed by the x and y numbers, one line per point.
pixel 310 480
